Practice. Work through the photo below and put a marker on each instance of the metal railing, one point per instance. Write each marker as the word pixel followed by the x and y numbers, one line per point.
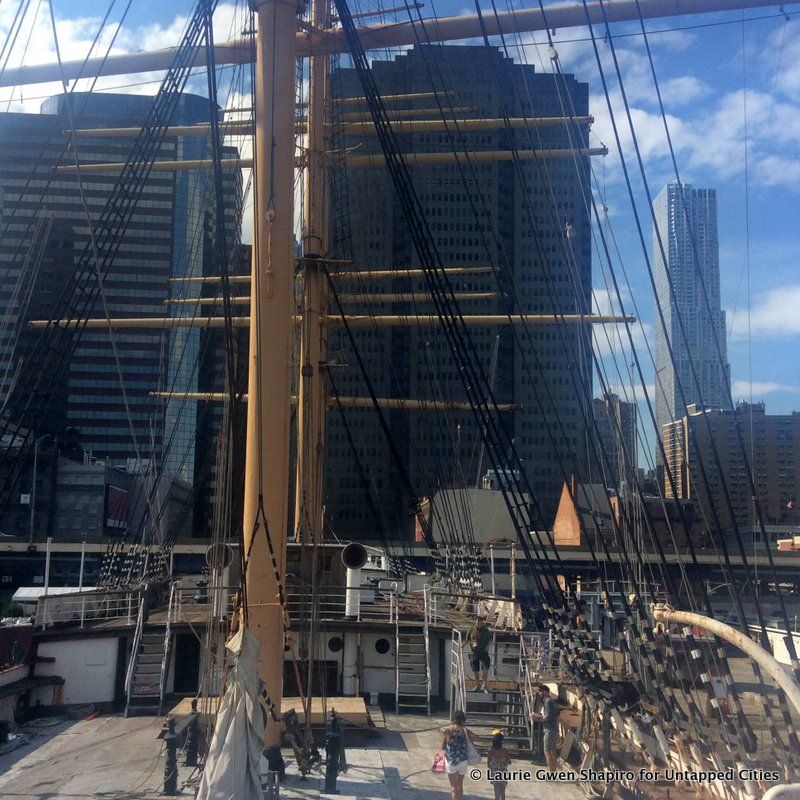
pixel 132 661
pixel 375 605
pixel 86 608
pixel 396 666
pixel 458 676
pixel 426 630
pixel 191 603
pixel 538 661
pixel 527 685
pixel 200 600
pixel 162 681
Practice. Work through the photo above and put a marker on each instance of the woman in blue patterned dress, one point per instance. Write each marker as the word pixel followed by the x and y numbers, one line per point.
pixel 455 748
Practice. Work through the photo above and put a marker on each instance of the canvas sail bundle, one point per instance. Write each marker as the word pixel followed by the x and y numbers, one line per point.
pixel 232 765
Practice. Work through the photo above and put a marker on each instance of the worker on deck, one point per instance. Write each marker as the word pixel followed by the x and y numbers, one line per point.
pixel 479 637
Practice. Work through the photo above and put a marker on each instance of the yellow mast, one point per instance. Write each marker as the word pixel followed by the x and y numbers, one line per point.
pixel 266 495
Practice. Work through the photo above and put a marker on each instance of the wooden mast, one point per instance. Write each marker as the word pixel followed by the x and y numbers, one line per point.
pixel 266 483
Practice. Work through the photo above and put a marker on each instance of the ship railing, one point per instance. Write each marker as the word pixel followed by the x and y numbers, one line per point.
pixel 539 661
pixel 134 658
pixel 87 608
pixel 426 629
pixel 458 673
pixel 529 659
pixel 191 602
pixel 330 603
pixel 162 679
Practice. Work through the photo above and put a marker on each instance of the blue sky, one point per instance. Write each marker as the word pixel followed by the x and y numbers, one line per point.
pixel 702 72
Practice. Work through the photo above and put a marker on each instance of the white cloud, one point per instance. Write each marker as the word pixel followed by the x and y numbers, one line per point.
pixel 779 171
pixel 706 125
pixel 676 41
pixel 783 42
pixel 637 392
pixel 760 388
pixel 774 314
pixel 683 89
pixel 35 44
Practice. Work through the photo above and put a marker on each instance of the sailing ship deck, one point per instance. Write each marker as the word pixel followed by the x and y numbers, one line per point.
pixel 114 757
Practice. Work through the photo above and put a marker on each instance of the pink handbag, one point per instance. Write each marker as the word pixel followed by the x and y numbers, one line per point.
pixel 438 763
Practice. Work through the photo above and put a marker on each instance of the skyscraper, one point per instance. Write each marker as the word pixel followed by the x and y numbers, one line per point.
pixel 440 447
pixel 170 235
pixel 686 221
pixel 615 432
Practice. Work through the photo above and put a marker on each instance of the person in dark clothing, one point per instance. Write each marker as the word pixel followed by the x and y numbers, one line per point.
pixel 549 719
pixel 479 638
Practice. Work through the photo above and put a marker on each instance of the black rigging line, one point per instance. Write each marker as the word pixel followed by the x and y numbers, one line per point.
pixel 759 514
pixel 342 247
pixel 514 516
pixel 414 498
pixel 363 478
pixel 397 167
pixel 141 487
pixel 220 239
pixel 57 342
pixel 686 524
pixel 624 523
pixel 470 373
pixel 532 381
pixel 202 467
pixel 636 637
pixel 499 277
pixel 735 596
pixel 582 387
pixel 679 316
pixel 788 639
pixel 456 528
pixel 8 218
pixel 13 32
pixel 557 71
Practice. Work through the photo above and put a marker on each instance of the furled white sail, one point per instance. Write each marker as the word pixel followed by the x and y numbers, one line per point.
pixel 232 765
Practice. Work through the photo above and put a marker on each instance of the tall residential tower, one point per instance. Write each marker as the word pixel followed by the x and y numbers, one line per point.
pixel 686 226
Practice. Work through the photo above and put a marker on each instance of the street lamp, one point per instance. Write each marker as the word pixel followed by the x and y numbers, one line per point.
pixel 33 488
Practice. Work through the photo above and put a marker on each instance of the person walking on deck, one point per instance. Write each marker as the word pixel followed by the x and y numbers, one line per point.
pixel 479 638
pixel 456 748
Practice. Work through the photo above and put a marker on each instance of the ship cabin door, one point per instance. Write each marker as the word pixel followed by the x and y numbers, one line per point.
pixel 187 663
